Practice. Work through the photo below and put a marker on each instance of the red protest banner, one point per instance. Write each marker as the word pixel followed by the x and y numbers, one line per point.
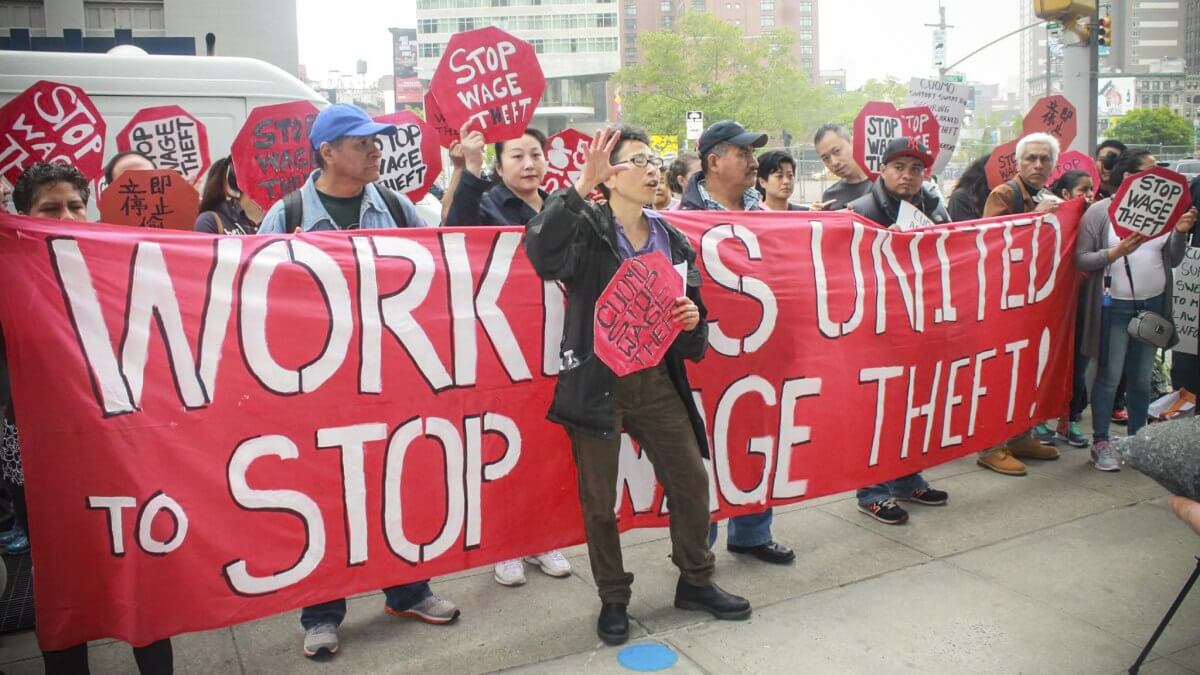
pixel 51 122
pixel 271 153
pixel 447 135
pixel 412 157
pixel 634 327
pixel 922 124
pixel 1054 115
pixel 362 405
pixel 1149 203
pixel 172 137
pixel 490 77
pixel 158 198
pixel 1074 160
pixel 876 125
pixel 566 153
pixel 1001 167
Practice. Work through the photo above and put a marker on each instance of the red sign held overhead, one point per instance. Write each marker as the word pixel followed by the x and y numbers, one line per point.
pixel 1149 203
pixel 51 122
pixel 922 124
pixel 1001 167
pixel 634 328
pixel 1074 160
pixel 272 154
pixel 566 153
pixel 172 137
pixel 158 198
pixel 412 157
pixel 877 125
pixel 1053 115
pixel 447 135
pixel 491 78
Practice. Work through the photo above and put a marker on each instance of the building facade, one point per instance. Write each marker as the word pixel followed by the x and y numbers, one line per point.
pixel 263 29
pixel 752 16
pixel 576 42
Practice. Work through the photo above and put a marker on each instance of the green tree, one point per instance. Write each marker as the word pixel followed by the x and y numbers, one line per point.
pixel 1156 126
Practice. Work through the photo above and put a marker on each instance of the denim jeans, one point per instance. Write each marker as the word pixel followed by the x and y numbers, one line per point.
pixel 1121 353
pixel 399 598
pixel 904 485
pixel 751 530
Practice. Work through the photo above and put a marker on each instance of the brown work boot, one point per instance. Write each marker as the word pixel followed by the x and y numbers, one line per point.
pixel 1002 461
pixel 1029 447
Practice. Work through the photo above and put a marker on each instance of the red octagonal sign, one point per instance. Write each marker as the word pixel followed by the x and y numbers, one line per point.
pixel 491 78
pixel 633 327
pixel 271 154
pixel 566 153
pixel 922 124
pixel 877 124
pixel 170 136
pixel 1053 115
pixel 412 157
pixel 51 122
pixel 1149 203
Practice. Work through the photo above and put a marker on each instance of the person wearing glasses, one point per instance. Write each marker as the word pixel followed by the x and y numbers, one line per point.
pixel 582 245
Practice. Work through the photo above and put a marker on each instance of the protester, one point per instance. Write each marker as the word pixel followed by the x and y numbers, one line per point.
pixel 583 244
pixel 837 154
pixel 662 191
pixel 1106 155
pixel 1142 280
pixel 777 180
pixel 224 208
pixel 725 182
pixel 904 163
pixel 682 169
pixel 125 161
pixel 1073 184
pixel 56 191
pixel 341 194
pixel 971 192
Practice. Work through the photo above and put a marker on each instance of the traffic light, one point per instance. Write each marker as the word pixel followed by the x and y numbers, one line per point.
pixel 1104 35
pixel 1063 10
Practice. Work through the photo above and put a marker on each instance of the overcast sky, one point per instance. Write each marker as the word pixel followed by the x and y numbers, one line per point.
pixel 333 35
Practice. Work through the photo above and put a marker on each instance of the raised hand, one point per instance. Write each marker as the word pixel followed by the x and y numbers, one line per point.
pixel 457 160
pixel 597 167
pixel 1126 246
pixel 472 145
pixel 1187 222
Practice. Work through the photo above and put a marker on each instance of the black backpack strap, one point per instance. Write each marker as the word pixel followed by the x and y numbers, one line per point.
pixel 293 210
pixel 393 206
pixel 1018 198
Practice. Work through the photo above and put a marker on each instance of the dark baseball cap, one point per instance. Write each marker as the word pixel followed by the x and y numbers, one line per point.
pixel 907 147
pixel 728 131
pixel 344 119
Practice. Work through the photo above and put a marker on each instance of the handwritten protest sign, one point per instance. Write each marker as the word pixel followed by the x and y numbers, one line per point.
pixel 566 153
pixel 1149 203
pixel 272 154
pixel 876 125
pixel 910 218
pixel 412 158
pixel 490 77
pixel 1054 115
pixel 634 328
pixel 51 122
pixel 446 134
pixel 158 198
pixel 949 102
pixel 1001 167
pixel 1074 160
pixel 920 123
pixel 1186 299
pixel 171 137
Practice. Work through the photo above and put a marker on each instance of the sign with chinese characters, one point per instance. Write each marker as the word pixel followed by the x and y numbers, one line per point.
pixel 158 198
pixel 1054 115
pixel 171 137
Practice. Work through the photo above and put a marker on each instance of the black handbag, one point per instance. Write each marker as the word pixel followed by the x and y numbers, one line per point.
pixel 1149 327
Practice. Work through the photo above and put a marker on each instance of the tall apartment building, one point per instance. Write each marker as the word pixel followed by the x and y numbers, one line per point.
pixel 753 16
pixel 1191 38
pixel 576 42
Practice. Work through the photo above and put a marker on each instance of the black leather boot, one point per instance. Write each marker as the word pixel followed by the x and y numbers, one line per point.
pixel 613 624
pixel 711 599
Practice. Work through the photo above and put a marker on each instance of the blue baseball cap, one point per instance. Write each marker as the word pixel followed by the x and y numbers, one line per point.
pixel 344 119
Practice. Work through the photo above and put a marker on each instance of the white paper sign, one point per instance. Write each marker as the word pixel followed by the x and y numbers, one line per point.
pixel 949 102
pixel 1186 310
pixel 910 218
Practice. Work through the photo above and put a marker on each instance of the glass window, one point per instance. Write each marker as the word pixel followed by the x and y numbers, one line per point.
pixel 766 20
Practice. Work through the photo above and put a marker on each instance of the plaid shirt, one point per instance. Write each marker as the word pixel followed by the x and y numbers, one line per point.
pixel 751 200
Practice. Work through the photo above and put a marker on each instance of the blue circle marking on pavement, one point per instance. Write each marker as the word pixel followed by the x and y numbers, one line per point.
pixel 648 657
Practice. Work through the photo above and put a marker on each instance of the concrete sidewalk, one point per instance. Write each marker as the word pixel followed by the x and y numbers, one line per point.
pixel 1066 570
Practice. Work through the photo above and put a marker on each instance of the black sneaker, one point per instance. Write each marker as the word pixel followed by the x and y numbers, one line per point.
pixel 885 511
pixel 927 496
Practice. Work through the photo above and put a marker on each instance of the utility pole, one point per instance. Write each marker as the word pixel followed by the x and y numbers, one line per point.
pixel 939 40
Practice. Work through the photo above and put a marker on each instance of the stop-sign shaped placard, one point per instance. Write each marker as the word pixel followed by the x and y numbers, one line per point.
pixel 877 125
pixel 447 135
pixel 491 78
pixel 1074 160
pixel 170 136
pixel 158 198
pixel 1053 115
pixel 634 328
pixel 1149 203
pixel 922 124
pixel 1001 167
pixel 272 154
pixel 566 153
pixel 51 122
pixel 412 157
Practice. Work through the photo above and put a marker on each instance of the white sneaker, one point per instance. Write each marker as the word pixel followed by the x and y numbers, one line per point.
pixel 1104 456
pixel 510 572
pixel 551 562
pixel 321 638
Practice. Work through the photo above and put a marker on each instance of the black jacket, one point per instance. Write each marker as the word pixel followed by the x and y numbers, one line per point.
pixel 481 202
pixel 883 207
pixel 574 241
